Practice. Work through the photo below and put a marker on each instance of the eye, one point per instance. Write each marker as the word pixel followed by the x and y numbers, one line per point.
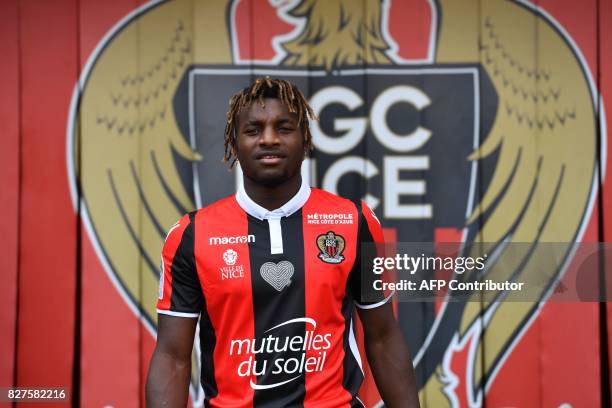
pixel 286 129
pixel 251 131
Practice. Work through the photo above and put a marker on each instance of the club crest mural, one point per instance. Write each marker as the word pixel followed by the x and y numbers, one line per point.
pixel 460 128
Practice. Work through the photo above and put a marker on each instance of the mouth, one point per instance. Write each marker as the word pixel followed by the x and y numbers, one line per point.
pixel 270 158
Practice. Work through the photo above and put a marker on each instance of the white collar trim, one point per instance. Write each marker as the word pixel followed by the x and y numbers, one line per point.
pixel 290 207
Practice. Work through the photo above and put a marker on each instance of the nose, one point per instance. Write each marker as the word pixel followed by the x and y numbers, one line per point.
pixel 269 137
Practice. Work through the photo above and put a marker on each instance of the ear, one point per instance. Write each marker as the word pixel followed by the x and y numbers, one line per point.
pixel 307 148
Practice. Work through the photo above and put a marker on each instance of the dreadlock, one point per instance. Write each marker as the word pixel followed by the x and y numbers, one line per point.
pixel 267 87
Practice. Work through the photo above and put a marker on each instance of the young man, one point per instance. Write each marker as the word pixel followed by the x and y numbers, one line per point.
pixel 273 273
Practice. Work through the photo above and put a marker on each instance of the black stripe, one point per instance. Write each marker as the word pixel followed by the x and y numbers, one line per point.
pixel 187 293
pixel 351 376
pixel 208 341
pixel 272 307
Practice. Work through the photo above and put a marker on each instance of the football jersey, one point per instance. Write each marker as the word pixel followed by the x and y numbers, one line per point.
pixel 274 291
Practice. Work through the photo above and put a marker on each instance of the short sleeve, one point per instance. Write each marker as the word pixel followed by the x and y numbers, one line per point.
pixel 362 277
pixel 180 292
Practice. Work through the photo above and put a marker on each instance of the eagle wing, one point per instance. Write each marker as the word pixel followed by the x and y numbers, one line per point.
pixel 128 144
pixel 545 136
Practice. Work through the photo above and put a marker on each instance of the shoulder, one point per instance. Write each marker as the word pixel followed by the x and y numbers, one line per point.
pixel 176 230
pixel 189 221
pixel 333 201
pixel 224 206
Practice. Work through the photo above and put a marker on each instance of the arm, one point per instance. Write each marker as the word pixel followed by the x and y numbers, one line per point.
pixel 385 347
pixel 170 369
pixel 389 357
pixel 180 300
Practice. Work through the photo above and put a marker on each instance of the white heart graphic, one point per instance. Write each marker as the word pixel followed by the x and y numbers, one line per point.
pixel 277 275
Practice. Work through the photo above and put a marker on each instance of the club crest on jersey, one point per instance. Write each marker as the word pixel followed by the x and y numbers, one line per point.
pixel 278 275
pixel 331 246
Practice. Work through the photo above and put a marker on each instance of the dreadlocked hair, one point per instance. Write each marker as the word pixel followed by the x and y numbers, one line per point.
pixel 262 88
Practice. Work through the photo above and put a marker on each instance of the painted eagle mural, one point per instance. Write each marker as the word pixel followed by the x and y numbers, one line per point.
pixel 135 157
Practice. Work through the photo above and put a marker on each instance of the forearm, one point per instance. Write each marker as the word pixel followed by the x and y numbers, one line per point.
pixel 391 366
pixel 168 381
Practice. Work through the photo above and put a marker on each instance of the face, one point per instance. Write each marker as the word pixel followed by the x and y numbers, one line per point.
pixel 270 144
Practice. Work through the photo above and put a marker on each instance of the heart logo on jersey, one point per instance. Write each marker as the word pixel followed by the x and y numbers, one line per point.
pixel 278 275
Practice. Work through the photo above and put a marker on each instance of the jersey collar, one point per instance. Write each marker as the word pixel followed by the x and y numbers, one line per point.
pixel 257 211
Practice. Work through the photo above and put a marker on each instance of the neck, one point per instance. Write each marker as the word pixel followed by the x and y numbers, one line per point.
pixel 273 197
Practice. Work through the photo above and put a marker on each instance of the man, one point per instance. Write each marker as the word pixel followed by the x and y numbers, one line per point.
pixel 273 273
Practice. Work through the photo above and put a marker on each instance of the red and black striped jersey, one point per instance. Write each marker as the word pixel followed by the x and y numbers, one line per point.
pixel 275 292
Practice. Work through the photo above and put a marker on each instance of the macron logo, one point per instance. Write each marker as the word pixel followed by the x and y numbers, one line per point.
pixel 239 239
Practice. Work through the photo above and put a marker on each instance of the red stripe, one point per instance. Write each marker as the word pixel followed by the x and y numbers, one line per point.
pixel 229 302
pixel 325 290
pixel 373 224
pixel 386 248
pixel 173 240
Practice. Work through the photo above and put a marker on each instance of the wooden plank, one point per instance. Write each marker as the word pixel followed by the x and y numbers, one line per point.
pixel 48 223
pixel 110 356
pixel 9 174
